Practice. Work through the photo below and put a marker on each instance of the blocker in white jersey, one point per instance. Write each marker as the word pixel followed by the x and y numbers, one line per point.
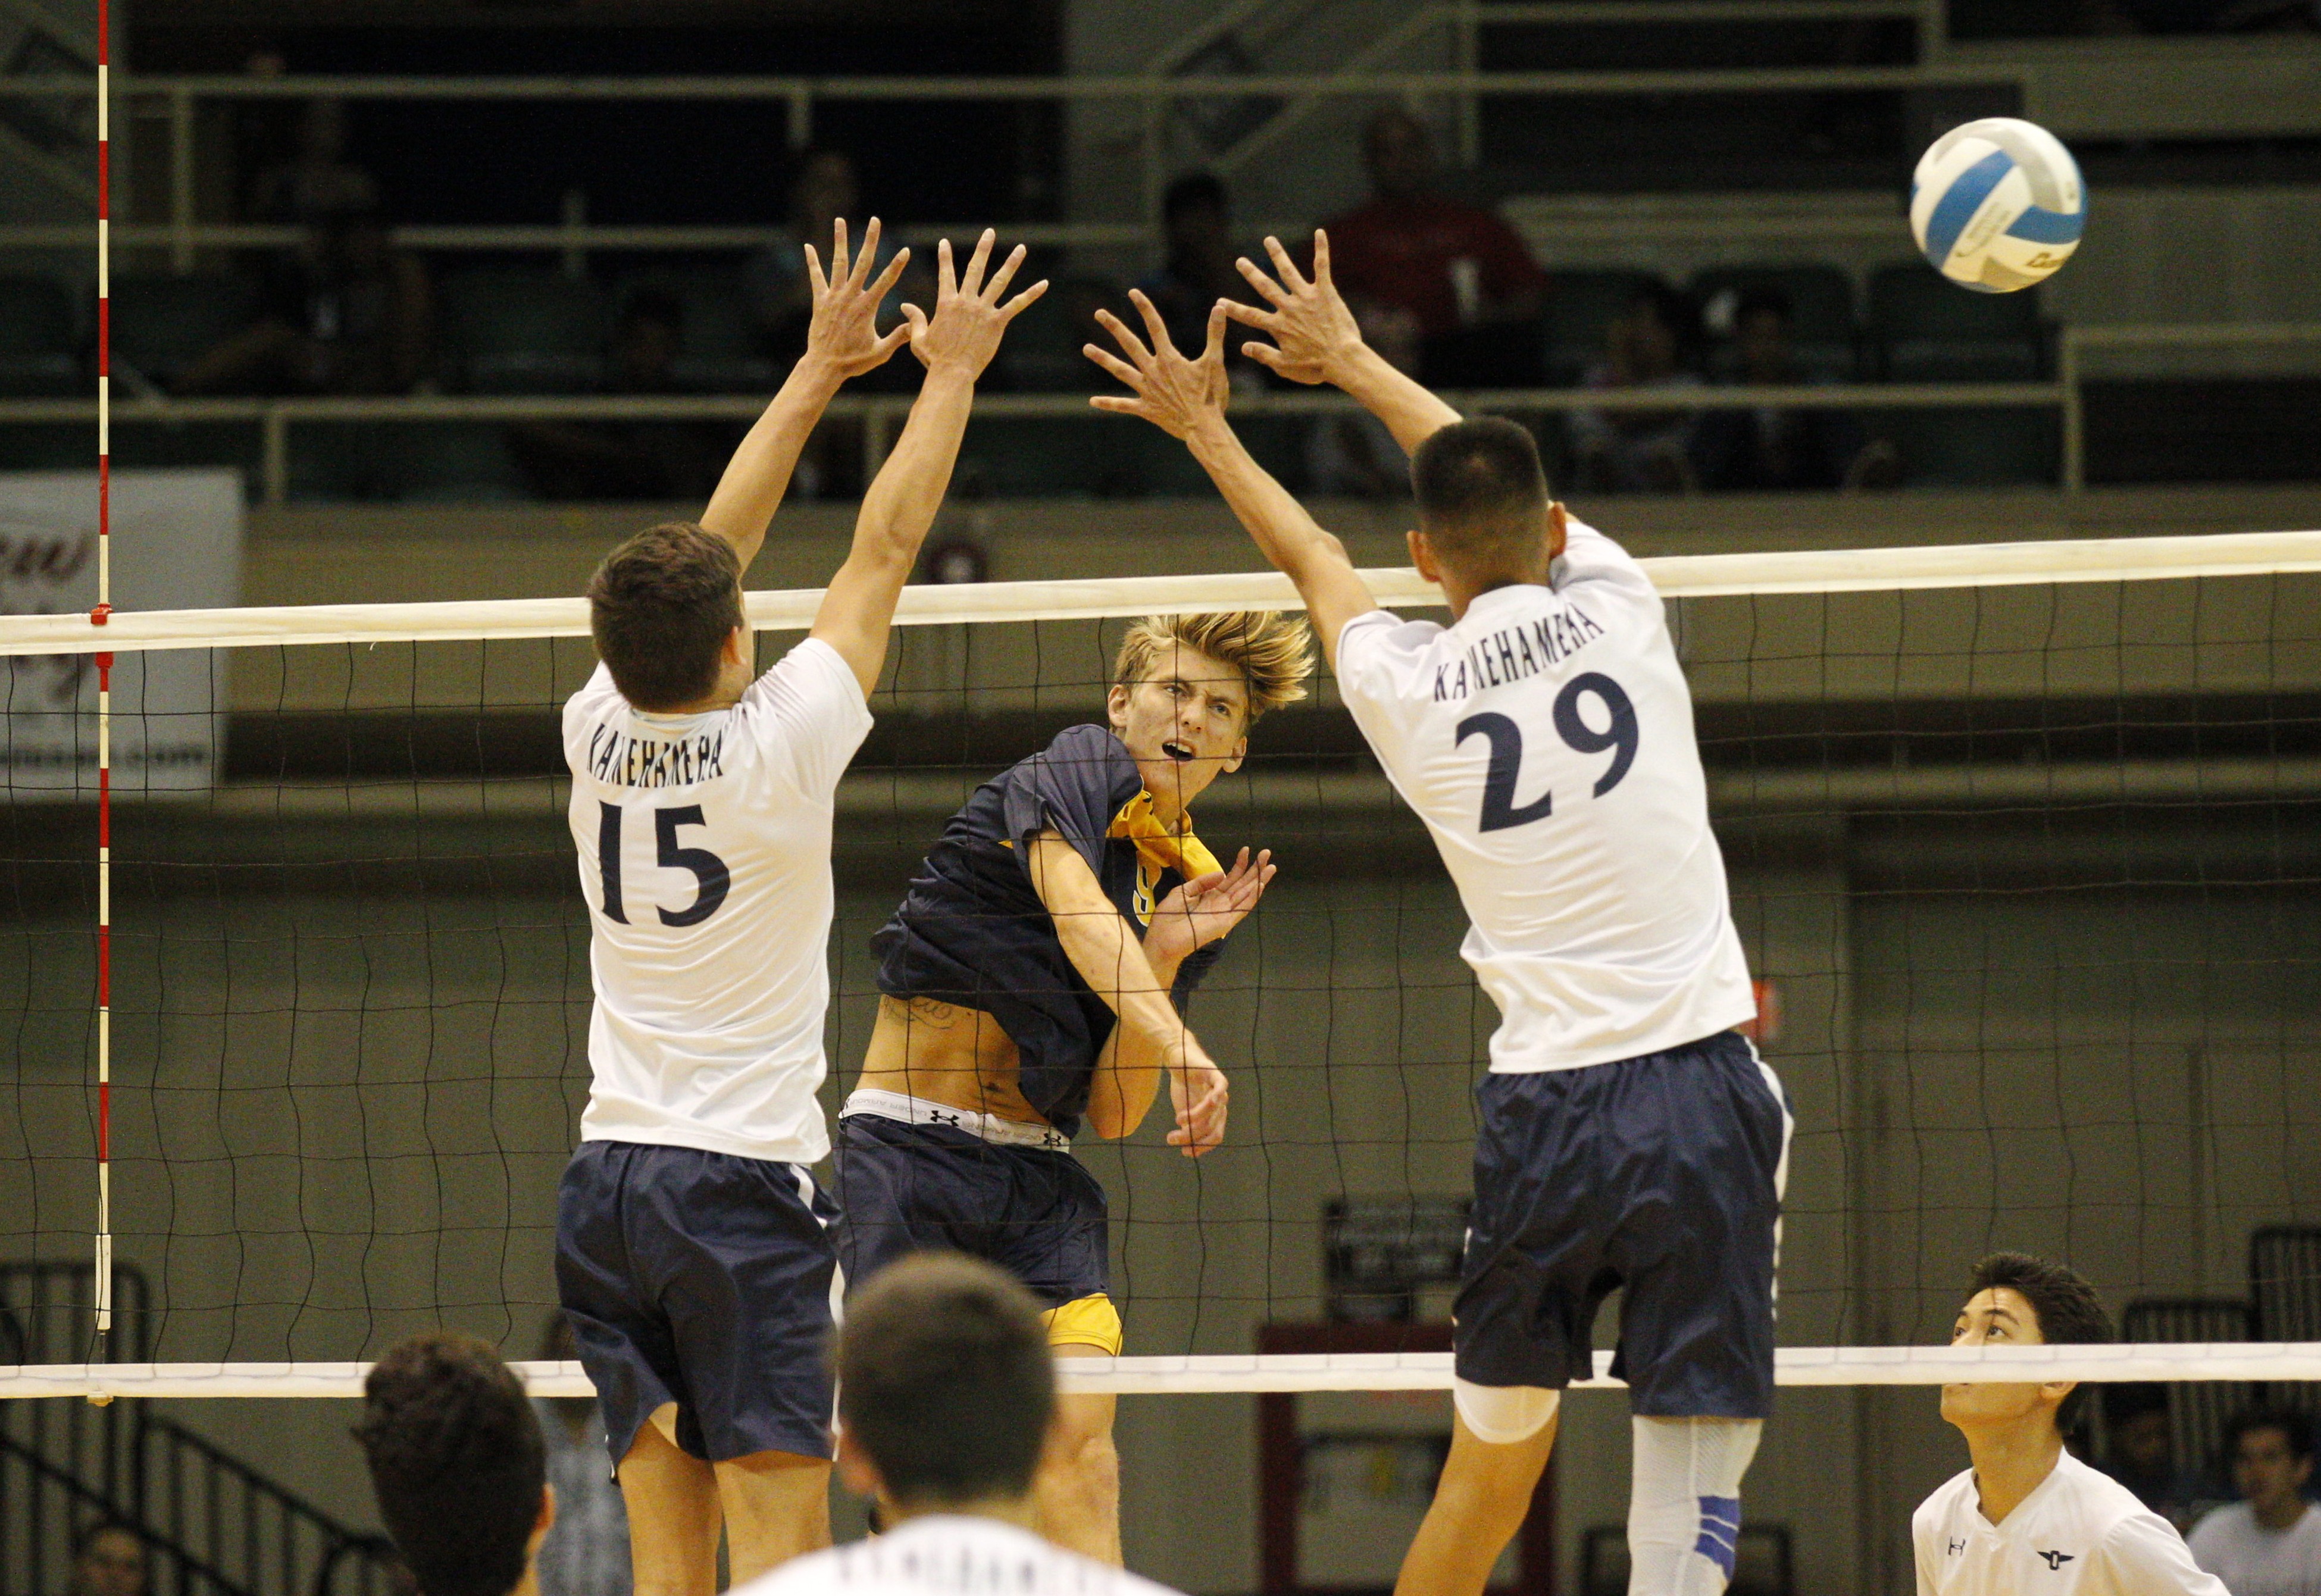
pixel 705 856
pixel 2080 1533
pixel 953 1554
pixel 1546 740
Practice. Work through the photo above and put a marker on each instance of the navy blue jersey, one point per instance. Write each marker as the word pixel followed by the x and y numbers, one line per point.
pixel 972 931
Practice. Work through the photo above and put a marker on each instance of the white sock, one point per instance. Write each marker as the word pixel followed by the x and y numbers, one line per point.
pixel 1684 1503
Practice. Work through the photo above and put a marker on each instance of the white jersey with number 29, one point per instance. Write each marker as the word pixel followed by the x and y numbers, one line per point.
pixel 1546 740
pixel 705 856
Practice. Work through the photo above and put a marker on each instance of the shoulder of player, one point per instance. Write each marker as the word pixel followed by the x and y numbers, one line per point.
pixel 1942 1501
pixel 1090 751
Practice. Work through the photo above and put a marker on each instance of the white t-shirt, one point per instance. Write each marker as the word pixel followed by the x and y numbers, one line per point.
pixel 951 1556
pixel 1546 740
pixel 2081 1533
pixel 705 857
pixel 2254 1561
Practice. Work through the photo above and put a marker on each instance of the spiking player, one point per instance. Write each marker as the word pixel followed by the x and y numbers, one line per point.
pixel 692 1256
pixel 1629 1137
pixel 1033 979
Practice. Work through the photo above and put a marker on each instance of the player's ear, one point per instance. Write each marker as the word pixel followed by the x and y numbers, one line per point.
pixel 2056 1391
pixel 1559 529
pixel 1115 706
pixel 737 645
pixel 856 1472
pixel 1239 753
pixel 1423 556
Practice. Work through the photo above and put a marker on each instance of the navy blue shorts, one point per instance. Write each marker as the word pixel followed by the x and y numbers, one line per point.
pixel 1036 1213
pixel 1661 1174
pixel 704 1279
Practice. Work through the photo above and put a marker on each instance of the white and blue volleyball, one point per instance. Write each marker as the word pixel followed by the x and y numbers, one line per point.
pixel 1998 205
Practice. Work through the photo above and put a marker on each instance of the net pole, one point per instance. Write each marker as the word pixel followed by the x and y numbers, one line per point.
pixel 102 1290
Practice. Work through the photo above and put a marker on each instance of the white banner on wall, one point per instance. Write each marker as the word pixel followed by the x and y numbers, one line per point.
pixel 176 544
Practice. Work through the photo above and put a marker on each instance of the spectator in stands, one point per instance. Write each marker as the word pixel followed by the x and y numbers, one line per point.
pixel 629 459
pixel 317 181
pixel 586 1550
pixel 108 1560
pixel 1652 344
pixel 2269 1542
pixel 1197 223
pixel 1776 451
pixel 1457 268
pixel 456 1462
pixel 2140 1451
pixel 345 313
pixel 781 297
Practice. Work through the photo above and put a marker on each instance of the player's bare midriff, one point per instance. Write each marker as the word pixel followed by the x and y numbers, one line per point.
pixel 945 1052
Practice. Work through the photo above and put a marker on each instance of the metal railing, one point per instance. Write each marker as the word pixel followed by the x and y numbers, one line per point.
pixel 210 1523
pixel 881 415
pixel 176 98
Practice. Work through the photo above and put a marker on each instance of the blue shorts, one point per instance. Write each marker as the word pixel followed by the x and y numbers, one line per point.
pixel 1661 1174
pixel 1036 1213
pixel 704 1279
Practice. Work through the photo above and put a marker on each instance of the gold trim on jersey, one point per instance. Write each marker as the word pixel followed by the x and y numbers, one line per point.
pixel 1085 1321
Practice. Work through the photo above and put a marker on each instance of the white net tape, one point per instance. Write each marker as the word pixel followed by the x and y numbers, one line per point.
pixel 1700 575
pixel 1294 1372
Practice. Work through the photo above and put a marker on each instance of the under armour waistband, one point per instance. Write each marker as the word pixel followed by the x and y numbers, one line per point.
pixel 990 1127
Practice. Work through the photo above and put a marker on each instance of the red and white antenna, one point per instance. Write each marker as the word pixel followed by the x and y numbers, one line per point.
pixel 98 617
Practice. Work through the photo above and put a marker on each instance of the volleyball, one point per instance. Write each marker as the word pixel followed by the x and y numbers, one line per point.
pixel 1998 205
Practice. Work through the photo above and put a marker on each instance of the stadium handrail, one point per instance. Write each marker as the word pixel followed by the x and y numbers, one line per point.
pixel 1288 1372
pixel 1842 571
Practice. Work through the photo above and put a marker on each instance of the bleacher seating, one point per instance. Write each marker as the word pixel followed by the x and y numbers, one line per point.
pixel 39 348
pixel 719 351
pixel 1824 336
pixel 1580 306
pixel 161 324
pixel 517 332
pixel 2197 1411
pixel 1925 329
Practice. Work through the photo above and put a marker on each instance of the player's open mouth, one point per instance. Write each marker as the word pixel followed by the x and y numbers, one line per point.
pixel 1177 751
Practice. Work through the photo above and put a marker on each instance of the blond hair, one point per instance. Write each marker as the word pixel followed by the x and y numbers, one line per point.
pixel 1272 652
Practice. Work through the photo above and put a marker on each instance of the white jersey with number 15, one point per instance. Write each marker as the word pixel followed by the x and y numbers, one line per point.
pixel 1546 740
pixel 705 856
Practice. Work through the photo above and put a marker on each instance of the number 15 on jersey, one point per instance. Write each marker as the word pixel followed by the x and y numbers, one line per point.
pixel 711 879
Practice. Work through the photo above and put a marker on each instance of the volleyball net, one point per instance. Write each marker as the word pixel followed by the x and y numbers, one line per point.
pixel 2022 840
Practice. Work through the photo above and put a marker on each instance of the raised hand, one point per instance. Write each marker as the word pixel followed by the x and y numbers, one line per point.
pixel 1198 1091
pixel 963 333
pixel 1204 909
pixel 844 331
pixel 1173 393
pixel 1315 335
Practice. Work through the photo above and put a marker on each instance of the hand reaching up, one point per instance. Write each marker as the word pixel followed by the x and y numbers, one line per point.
pixel 1171 392
pixel 844 331
pixel 1315 335
pixel 1202 910
pixel 964 332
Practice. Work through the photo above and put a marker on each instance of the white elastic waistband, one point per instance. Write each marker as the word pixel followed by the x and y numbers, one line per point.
pixel 911 1110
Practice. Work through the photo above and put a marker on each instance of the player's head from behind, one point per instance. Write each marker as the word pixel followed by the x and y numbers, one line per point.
pixel 458 1463
pixel 1485 516
pixel 665 609
pixel 2270 1451
pixel 946 1387
pixel 1187 688
pixel 2015 1300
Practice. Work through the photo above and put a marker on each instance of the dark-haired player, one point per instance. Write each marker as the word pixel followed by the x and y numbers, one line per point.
pixel 946 1401
pixel 1630 1137
pixel 1032 980
pixel 458 1464
pixel 2027 1518
pixel 692 1257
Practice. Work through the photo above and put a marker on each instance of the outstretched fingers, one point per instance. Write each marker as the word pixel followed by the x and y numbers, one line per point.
pixel 1000 279
pixel 1321 261
pixel 1022 302
pixel 1128 340
pixel 840 267
pixel 1273 293
pixel 892 275
pixel 1154 327
pixel 1114 366
pixel 1290 277
pixel 1213 347
pixel 972 281
pixel 814 272
pixel 946 277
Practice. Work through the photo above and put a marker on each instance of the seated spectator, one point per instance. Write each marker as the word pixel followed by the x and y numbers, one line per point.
pixel 1457 268
pixel 2140 1451
pixel 1782 450
pixel 632 459
pixel 345 313
pixel 2269 1542
pixel 1648 345
pixel 586 1550
pixel 108 1560
pixel 1196 221
pixel 822 189
pixel 317 181
pixel 1356 455
pixel 456 1463
pixel 946 1404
